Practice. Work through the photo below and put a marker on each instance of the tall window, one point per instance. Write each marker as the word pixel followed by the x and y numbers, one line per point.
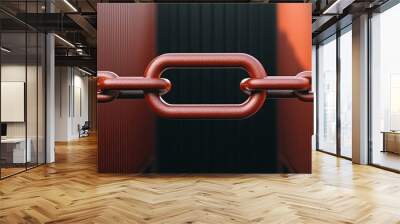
pixel 345 92
pixel 327 95
pixel 385 89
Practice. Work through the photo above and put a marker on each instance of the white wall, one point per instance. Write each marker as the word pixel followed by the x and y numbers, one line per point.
pixel 80 111
pixel 62 82
pixel 13 101
pixel 71 102
pixel 50 94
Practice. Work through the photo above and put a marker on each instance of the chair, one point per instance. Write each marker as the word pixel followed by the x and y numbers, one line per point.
pixel 84 130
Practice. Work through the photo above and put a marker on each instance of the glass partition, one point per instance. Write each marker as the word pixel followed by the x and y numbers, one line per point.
pixel 22 88
pixel 385 89
pixel 31 99
pixel 14 153
pixel 327 96
pixel 41 97
pixel 346 92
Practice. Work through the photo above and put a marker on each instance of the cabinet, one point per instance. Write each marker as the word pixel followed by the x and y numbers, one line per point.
pixel 391 141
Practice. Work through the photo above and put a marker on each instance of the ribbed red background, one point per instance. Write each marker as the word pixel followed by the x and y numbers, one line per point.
pixel 294 118
pixel 126 44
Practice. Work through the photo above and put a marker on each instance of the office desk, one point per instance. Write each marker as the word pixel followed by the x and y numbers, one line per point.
pixel 13 150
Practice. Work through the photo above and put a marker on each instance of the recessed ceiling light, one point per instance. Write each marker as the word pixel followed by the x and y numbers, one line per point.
pixel 70 5
pixel 337 7
pixel 65 41
pixel 5 50
pixel 84 71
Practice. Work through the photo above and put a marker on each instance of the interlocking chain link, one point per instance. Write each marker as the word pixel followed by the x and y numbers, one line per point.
pixel 258 86
pixel 298 86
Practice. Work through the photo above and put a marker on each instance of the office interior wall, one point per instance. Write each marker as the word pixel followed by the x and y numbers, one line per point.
pixel 71 102
pixel 62 98
pixel 92 109
pixel 81 102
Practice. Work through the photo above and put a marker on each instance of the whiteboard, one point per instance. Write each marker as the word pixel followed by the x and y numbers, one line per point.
pixel 12 101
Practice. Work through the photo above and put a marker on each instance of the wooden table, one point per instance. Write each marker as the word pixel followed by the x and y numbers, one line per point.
pixel 13 150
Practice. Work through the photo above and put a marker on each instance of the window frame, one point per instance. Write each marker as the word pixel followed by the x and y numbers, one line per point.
pixel 337 35
pixel 381 9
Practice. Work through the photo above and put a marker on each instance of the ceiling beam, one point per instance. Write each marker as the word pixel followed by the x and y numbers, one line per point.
pixel 337 7
pixel 83 23
pixel 82 61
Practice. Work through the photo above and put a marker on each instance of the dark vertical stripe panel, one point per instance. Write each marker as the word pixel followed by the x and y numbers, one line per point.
pixel 214 146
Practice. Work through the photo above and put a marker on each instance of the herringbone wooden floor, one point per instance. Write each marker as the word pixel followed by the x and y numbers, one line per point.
pixel 71 191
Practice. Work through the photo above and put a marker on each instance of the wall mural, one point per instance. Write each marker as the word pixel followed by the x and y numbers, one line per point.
pixel 132 138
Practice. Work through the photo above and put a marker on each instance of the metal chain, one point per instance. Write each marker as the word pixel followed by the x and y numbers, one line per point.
pixel 258 86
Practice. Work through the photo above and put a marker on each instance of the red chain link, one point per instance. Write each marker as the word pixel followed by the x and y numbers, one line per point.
pixel 290 86
pixel 258 86
pixel 129 83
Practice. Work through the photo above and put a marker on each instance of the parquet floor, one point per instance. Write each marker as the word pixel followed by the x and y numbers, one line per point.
pixel 10 171
pixel 71 191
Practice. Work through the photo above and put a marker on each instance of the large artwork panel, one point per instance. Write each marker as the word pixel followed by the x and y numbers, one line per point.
pixel 276 139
